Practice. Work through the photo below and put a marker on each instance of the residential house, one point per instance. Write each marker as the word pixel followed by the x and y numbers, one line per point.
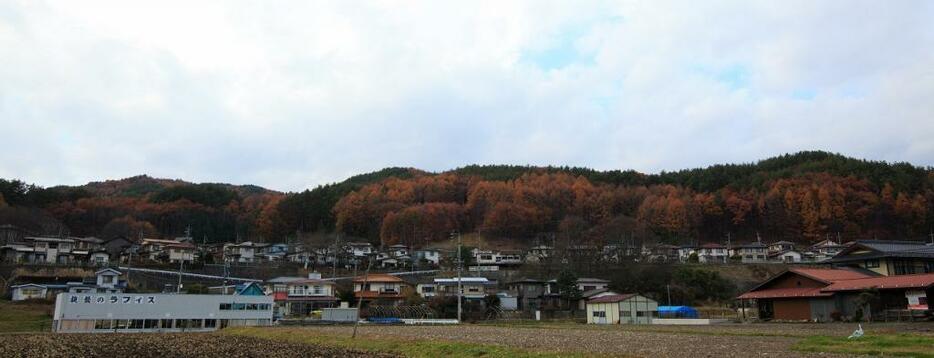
pixel 360 249
pixel 430 257
pixel 780 246
pixel 664 253
pixel 51 250
pixel 533 295
pixel 241 289
pixel 712 253
pixel 887 257
pixel 104 281
pixel 273 252
pixel 496 258
pixel 826 249
pixel 303 296
pixel 809 294
pixel 685 252
pixel 787 256
pixel 379 289
pixel 170 251
pixel 753 252
pixel 473 288
pixel 628 308
pixel 539 253
pixel 119 249
pixel 245 252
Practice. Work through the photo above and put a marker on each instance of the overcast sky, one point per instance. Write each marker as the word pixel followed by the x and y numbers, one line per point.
pixel 289 95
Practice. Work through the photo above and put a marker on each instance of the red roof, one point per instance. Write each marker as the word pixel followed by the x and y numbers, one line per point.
pixel 900 281
pixel 829 275
pixel 612 298
pixel 785 292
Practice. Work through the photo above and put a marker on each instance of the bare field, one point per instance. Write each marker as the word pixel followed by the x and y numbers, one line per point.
pixel 162 345
pixel 739 340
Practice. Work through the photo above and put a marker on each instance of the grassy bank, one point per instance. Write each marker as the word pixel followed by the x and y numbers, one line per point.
pixel 406 347
pixel 901 345
pixel 24 317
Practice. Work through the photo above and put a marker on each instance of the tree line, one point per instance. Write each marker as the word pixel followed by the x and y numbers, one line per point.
pixel 801 197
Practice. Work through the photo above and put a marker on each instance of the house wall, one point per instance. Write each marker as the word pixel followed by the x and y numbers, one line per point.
pixel 20 294
pixel 611 310
pixel 822 308
pixel 641 310
pixel 792 280
pixel 792 309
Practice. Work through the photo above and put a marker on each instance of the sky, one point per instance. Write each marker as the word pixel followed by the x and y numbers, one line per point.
pixel 289 95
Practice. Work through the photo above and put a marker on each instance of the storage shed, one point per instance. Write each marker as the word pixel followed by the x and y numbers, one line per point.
pixel 622 309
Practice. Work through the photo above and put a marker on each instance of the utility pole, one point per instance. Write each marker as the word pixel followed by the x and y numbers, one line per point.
pixel 668 288
pixel 181 264
pixel 366 276
pixel 460 266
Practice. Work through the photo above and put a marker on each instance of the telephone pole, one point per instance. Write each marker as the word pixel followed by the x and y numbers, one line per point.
pixel 460 266
pixel 363 289
pixel 181 264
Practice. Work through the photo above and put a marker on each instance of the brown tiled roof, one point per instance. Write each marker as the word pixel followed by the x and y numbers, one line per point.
pixel 785 292
pixel 378 277
pixel 900 281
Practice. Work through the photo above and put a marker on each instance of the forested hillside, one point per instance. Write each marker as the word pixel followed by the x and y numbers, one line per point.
pixel 801 197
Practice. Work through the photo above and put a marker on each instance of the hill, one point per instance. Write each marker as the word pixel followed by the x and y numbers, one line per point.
pixel 804 197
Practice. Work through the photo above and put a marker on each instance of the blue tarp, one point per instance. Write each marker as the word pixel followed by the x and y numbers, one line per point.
pixel 676 312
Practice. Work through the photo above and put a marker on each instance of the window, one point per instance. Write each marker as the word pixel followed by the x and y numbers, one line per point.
pixel 107 279
pixel 624 314
pixel 317 290
pixel 166 323
pixel 640 313
pixel 210 323
pixel 151 323
pixel 239 306
pixel 225 307
pixel 428 289
pixel 194 323
pixel 599 313
pixel 251 307
pixel 871 264
pixel 103 324
pixel 904 267
pixel 121 324
pixel 136 324
pixel 181 323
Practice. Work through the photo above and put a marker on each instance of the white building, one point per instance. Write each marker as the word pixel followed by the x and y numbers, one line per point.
pixel 124 313
pixel 169 250
pixel 431 256
pixel 712 253
pixel 491 258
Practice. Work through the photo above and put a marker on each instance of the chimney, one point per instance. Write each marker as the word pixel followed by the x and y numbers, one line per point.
pixel 314 275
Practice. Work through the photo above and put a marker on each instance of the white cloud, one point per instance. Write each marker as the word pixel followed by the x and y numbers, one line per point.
pixel 291 95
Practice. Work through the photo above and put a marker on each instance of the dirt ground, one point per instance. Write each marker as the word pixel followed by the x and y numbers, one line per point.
pixel 740 340
pixel 160 345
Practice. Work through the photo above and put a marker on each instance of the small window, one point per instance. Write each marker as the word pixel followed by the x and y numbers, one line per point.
pixel 225 307
pixel 625 313
pixel 121 324
pixel 599 313
pixel 136 324
pixel 210 323
pixel 166 323
pixel 640 313
pixel 151 323
pixel 871 264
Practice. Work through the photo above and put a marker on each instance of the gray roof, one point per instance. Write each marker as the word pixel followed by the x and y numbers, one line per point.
pixel 881 248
